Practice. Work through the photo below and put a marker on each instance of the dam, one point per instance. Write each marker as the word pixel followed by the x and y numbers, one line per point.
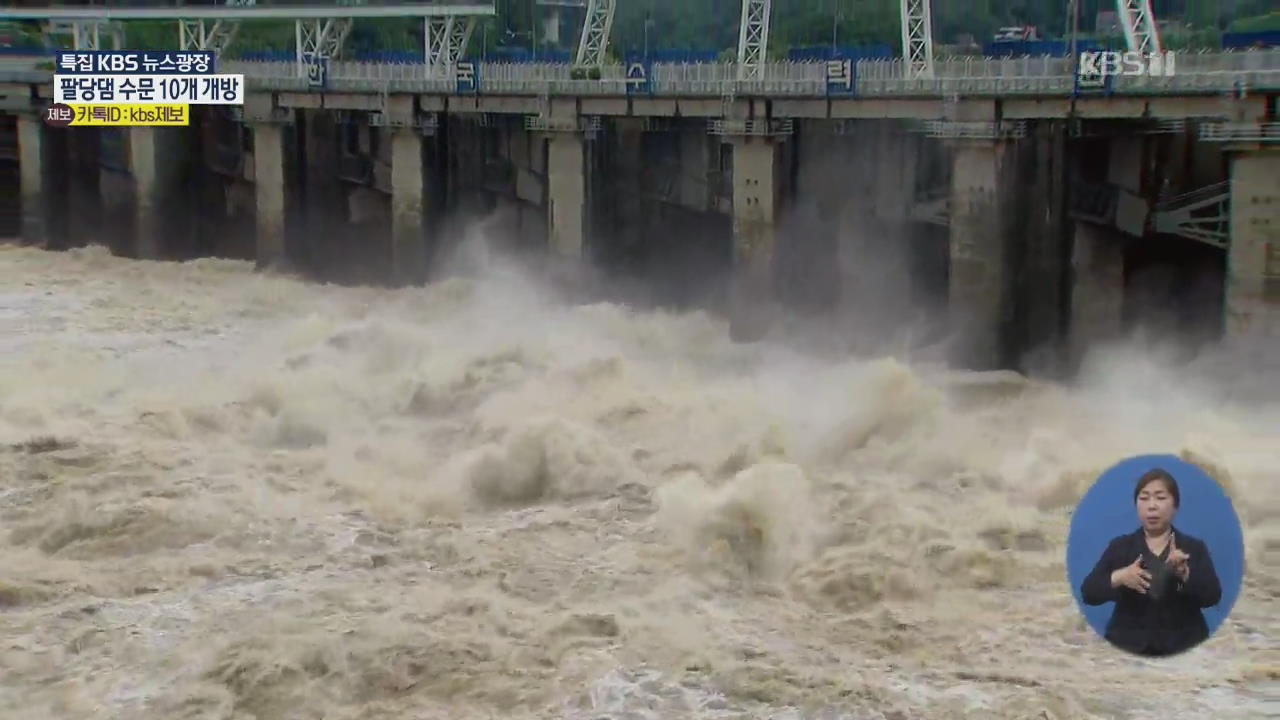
pixel 286 432
pixel 598 178
pixel 1004 193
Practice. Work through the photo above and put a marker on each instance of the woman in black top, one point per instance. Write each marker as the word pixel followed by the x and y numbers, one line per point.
pixel 1159 578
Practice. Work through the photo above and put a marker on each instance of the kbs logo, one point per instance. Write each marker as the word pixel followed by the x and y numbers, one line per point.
pixel 1109 63
pixel 115 63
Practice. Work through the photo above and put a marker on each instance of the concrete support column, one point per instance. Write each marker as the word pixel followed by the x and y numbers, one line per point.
pixel 567 194
pixel 148 192
pixel 408 239
pixel 1253 262
pixel 269 189
pixel 31 179
pixel 978 293
pixel 44 182
pixel 156 158
pixel 1097 291
pixel 755 206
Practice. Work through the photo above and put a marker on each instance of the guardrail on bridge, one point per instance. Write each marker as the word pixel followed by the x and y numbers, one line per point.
pixel 1196 73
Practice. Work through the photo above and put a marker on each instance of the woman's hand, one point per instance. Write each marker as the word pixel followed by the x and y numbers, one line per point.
pixel 1132 576
pixel 1178 561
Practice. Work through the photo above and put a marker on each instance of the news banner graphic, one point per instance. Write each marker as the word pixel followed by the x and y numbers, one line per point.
pixel 137 87
pixel 60 115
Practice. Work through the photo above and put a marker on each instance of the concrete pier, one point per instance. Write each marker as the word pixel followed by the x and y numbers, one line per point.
pixel 269 190
pixel 864 222
pixel 567 194
pixel 156 158
pixel 1253 262
pixel 979 248
pixel 31 177
pixel 44 182
pixel 408 239
pixel 755 209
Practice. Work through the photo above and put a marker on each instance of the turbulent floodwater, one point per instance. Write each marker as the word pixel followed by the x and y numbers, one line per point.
pixel 228 495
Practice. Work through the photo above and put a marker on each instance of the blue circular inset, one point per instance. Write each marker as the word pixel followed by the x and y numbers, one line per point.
pixel 1108 511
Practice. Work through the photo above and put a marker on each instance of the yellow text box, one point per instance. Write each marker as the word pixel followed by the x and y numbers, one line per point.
pixel 131 115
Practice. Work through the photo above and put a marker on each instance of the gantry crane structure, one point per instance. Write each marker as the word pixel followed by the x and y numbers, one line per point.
pixel 449 24
pixel 753 38
pixel 1139 24
pixel 1138 21
pixel 320 29
pixel 597 23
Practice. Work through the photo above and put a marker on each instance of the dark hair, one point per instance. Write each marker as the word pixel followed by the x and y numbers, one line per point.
pixel 1153 475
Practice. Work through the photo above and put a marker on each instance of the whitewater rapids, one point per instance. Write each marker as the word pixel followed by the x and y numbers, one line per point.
pixel 227 495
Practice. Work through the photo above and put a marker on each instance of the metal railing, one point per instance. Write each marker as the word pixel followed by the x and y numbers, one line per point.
pixel 1241 132
pixel 751 126
pixel 975 130
pixel 1195 73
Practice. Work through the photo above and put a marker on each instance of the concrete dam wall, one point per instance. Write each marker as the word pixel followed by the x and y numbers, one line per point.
pixel 1017 247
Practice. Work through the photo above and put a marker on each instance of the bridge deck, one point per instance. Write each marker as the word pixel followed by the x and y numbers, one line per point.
pixel 1026 77
pixel 1218 84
